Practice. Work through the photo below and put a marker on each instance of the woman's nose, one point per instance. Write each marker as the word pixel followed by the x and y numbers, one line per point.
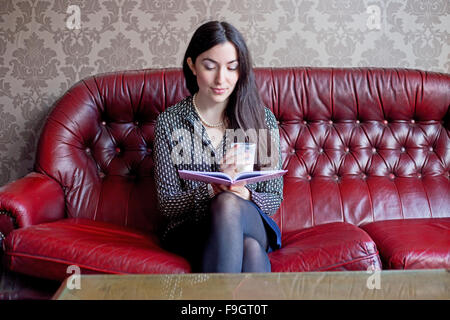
pixel 220 76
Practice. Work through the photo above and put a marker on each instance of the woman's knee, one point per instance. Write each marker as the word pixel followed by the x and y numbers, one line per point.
pixel 223 200
pixel 255 258
pixel 225 207
pixel 252 246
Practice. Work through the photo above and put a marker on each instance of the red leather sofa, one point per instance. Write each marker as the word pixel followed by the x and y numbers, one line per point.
pixel 368 185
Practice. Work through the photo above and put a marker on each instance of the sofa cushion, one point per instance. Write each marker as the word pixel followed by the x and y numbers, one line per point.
pixel 327 247
pixel 46 250
pixel 412 243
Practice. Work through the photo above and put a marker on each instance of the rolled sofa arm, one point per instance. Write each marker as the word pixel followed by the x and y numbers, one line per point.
pixel 33 199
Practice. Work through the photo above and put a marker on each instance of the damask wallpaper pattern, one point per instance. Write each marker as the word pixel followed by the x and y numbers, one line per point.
pixel 48 45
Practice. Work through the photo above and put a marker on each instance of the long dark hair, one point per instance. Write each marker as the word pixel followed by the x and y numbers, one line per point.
pixel 245 109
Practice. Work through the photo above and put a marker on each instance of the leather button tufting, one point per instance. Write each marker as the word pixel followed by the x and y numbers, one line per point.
pixel 402 149
pixel 391 176
pixel 103 123
pixel 118 150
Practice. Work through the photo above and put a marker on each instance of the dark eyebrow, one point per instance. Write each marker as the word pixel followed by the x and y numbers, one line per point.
pixel 211 60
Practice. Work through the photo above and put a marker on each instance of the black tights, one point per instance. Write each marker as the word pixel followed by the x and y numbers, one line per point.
pixel 237 241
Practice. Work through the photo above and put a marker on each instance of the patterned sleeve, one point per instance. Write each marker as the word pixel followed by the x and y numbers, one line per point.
pixel 173 201
pixel 268 195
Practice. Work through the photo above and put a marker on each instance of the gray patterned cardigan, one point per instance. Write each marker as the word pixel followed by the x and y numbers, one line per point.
pixel 181 142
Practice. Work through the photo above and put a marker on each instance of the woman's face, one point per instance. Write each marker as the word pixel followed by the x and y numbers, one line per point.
pixel 217 72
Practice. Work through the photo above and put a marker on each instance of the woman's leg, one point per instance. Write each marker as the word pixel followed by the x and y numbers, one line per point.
pixel 255 258
pixel 238 239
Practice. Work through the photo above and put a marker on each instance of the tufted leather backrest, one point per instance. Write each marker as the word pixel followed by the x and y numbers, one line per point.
pixel 360 144
pixel 97 143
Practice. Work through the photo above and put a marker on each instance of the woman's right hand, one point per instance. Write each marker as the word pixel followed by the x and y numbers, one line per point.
pixel 228 164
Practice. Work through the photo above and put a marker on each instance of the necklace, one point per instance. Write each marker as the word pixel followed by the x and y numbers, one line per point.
pixel 206 123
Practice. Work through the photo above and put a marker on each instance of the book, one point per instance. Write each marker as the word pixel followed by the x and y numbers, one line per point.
pixel 241 178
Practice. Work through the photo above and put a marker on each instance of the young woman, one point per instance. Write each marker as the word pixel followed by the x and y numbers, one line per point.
pixel 217 228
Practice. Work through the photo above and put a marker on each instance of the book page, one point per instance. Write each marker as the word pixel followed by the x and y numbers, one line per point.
pixel 222 178
pixel 251 174
pixel 204 176
pixel 220 175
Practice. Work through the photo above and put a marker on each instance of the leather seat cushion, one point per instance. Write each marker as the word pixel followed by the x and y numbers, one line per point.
pixel 327 247
pixel 46 250
pixel 412 243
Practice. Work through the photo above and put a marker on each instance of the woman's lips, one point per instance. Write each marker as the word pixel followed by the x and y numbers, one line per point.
pixel 218 90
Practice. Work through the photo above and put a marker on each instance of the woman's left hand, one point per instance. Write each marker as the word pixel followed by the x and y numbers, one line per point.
pixel 241 191
pixel 238 190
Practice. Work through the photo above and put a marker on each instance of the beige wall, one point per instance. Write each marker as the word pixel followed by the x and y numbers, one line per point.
pixel 42 53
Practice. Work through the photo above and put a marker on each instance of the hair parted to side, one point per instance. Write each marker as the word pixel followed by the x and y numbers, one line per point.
pixel 245 109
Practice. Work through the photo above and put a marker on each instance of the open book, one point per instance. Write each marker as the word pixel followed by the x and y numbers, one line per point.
pixel 241 178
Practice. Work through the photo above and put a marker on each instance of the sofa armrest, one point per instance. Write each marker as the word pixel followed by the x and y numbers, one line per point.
pixel 33 199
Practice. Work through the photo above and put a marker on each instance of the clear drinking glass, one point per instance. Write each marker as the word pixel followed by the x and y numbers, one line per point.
pixel 245 155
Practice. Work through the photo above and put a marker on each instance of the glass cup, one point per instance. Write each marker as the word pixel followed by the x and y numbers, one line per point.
pixel 245 155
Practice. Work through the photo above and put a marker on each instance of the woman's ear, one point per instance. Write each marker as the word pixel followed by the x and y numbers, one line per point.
pixel 191 65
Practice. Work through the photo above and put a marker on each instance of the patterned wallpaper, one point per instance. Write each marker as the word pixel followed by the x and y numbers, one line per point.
pixel 48 45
